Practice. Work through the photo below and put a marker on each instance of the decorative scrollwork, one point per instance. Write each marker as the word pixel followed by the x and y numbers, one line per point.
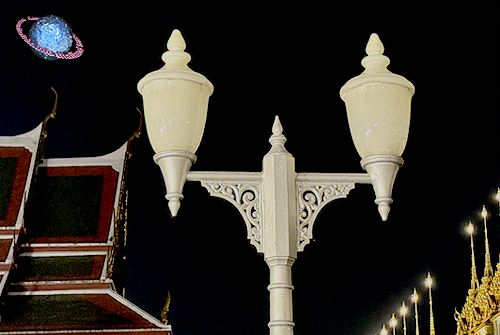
pixel 246 198
pixel 311 199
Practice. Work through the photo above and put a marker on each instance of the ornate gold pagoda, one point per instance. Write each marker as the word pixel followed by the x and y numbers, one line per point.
pixel 480 314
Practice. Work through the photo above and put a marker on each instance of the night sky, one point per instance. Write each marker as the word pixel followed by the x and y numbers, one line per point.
pixel 289 60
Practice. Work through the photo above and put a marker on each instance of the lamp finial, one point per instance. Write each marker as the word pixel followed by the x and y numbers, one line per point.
pixel 277 140
pixel 374 46
pixel 277 127
pixel 176 59
pixel 176 41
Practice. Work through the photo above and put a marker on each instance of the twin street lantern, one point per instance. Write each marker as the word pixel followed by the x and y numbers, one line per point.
pixel 378 108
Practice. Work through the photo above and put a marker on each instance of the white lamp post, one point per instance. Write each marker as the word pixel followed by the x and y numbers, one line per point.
pixel 378 104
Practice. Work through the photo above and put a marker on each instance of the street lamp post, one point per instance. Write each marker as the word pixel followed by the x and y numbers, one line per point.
pixel 488 269
pixel 414 299
pixel 403 310
pixel 474 284
pixel 384 330
pixel 278 205
pixel 393 323
pixel 428 283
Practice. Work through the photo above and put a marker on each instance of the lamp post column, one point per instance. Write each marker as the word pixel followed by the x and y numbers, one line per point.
pixel 279 231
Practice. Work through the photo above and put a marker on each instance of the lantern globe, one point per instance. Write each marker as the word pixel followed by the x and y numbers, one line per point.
pixel 175 107
pixel 175 101
pixel 378 110
pixel 378 105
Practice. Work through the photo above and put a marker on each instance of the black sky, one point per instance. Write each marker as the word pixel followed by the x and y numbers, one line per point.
pixel 289 60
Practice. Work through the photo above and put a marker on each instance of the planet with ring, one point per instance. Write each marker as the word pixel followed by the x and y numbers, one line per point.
pixel 51 38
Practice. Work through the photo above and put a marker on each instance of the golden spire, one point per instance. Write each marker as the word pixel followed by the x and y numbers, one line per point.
pixel 166 308
pixel 428 283
pixel 474 283
pixel 403 310
pixel 414 299
pixel 488 269
pixel 393 323
pixel 384 330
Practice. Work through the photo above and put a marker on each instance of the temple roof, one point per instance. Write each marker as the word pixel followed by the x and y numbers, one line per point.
pixel 62 242
pixel 17 163
pixel 482 305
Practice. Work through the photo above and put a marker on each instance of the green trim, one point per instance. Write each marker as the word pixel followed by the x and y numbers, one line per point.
pixel 61 311
pixel 74 267
pixel 69 206
pixel 8 167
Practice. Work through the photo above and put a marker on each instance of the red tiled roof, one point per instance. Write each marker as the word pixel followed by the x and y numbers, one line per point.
pixel 5 248
pixel 63 281
pixel 78 311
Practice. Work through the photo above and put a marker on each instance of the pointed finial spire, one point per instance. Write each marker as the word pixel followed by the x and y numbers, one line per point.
pixel 474 283
pixel 488 269
pixel 375 62
pixel 374 46
pixel 277 127
pixel 384 330
pixel 277 140
pixel 175 58
pixel 176 41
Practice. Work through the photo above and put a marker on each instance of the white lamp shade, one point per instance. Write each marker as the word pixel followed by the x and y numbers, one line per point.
pixel 175 107
pixel 378 105
pixel 175 101
pixel 176 111
pixel 379 118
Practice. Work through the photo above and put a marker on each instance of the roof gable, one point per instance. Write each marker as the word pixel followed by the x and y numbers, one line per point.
pixel 14 167
pixel 64 280
pixel 18 156
pixel 73 204
pixel 77 310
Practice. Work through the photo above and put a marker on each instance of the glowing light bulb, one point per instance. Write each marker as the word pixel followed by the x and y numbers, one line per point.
pixel 393 322
pixel 484 213
pixel 470 228
pixel 414 296
pixel 403 310
pixel 428 280
pixel 384 330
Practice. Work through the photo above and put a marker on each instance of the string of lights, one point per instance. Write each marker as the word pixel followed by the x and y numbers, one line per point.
pixel 404 310
pixel 482 306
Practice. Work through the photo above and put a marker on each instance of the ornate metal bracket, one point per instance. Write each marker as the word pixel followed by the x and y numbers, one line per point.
pixel 314 191
pixel 243 190
pixel 311 199
pixel 246 198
